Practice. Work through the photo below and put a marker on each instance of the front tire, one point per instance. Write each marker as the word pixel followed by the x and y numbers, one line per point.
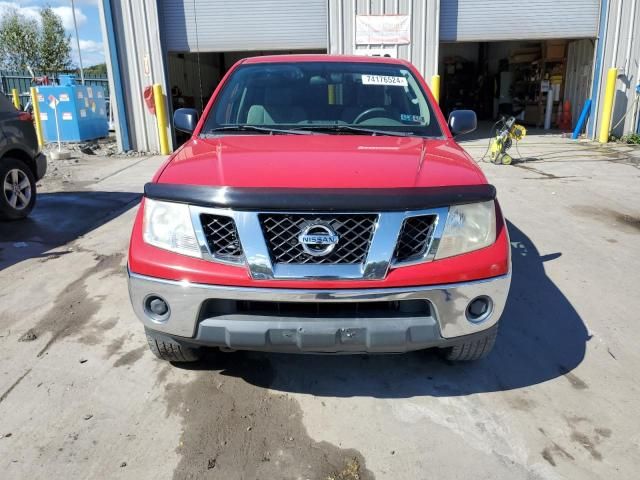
pixel 17 189
pixel 166 348
pixel 472 350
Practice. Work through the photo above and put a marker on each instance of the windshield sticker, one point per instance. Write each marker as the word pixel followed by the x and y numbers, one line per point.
pixel 384 80
pixel 407 117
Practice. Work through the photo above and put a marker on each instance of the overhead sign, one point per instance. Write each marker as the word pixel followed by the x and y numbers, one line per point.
pixel 383 29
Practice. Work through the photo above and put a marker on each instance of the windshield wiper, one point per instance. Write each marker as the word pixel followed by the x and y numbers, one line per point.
pixel 254 128
pixel 352 129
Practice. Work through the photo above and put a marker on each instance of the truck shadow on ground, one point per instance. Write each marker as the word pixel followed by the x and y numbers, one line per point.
pixel 57 219
pixel 542 337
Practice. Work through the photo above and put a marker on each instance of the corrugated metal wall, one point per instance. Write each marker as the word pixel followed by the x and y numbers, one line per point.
pixel 141 63
pixel 627 60
pixel 577 87
pixel 240 25
pixel 423 49
pixel 482 20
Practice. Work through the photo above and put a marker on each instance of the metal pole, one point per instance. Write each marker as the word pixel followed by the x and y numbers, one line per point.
pixel 55 114
pixel 75 26
pixel 36 116
pixel 435 87
pixel 161 118
pixel 16 98
pixel 607 107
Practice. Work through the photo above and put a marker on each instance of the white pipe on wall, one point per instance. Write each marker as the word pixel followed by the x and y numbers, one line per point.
pixel 616 40
pixel 627 61
pixel 632 22
pixel 634 117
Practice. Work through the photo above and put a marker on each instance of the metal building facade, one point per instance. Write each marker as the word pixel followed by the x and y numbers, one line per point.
pixel 621 50
pixel 241 25
pixel 137 60
pixel 422 50
pixel 496 20
pixel 139 35
pixel 577 87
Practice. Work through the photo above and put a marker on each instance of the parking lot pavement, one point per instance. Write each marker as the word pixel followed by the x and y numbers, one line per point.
pixel 81 397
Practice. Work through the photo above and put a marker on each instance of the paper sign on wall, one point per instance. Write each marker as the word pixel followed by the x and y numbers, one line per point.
pixel 383 29
pixel 67 116
pixel 44 116
pixel 384 80
pixel 53 102
pixel 64 97
pixel 83 112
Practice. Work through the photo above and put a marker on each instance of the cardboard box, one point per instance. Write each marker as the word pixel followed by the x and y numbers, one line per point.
pixel 556 49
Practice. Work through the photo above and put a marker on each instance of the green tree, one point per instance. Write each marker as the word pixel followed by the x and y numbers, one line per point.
pixel 54 52
pixel 98 69
pixel 18 42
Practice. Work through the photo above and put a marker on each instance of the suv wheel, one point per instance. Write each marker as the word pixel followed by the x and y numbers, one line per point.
pixel 166 348
pixel 472 350
pixel 17 189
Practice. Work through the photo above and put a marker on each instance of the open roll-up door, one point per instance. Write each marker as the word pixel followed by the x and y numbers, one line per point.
pixel 241 25
pixel 496 20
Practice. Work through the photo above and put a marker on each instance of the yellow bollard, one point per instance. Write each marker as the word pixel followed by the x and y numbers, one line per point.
pixel 161 118
pixel 607 107
pixel 331 91
pixel 36 116
pixel 16 98
pixel 435 87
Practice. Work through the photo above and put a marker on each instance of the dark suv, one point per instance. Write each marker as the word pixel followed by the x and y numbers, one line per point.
pixel 21 162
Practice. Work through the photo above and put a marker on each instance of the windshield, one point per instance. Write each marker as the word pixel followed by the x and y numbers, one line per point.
pixel 324 97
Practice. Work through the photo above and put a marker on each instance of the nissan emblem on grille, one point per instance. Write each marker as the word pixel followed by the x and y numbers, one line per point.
pixel 318 239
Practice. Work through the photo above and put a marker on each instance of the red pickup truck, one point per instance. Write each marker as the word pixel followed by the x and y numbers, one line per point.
pixel 320 205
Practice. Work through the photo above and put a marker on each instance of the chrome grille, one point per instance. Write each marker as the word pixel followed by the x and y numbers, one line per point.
pixel 414 238
pixel 282 230
pixel 222 237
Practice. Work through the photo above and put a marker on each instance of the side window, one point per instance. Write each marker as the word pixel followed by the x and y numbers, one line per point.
pixel 419 101
pixel 230 98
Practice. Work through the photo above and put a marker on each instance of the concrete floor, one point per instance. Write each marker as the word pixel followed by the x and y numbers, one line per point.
pixel 558 397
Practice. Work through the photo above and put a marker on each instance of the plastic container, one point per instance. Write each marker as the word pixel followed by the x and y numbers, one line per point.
pixel 81 111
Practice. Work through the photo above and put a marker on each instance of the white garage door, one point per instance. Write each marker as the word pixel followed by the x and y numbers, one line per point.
pixel 483 20
pixel 240 25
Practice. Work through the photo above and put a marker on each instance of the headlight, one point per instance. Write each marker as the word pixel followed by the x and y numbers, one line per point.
pixel 468 228
pixel 168 225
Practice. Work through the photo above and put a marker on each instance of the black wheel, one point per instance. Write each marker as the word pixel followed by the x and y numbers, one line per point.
pixel 166 348
pixel 17 189
pixel 472 350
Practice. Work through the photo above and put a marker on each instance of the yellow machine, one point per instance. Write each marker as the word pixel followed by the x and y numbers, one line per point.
pixel 507 131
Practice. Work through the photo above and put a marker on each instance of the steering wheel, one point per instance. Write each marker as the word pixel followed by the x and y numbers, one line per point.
pixel 367 113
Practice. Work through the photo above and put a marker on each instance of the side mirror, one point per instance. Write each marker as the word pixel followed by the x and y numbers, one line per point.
pixel 462 121
pixel 185 119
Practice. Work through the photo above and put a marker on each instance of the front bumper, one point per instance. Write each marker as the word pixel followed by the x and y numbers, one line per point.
pixel 446 324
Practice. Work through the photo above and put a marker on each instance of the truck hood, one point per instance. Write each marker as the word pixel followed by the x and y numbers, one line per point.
pixel 321 161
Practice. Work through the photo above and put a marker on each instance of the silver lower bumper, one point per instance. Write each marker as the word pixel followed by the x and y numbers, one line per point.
pixel 447 320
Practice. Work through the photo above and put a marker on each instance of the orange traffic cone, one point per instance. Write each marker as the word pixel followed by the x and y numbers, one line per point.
pixel 564 120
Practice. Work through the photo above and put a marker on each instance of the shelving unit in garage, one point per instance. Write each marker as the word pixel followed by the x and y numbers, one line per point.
pixel 533 66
